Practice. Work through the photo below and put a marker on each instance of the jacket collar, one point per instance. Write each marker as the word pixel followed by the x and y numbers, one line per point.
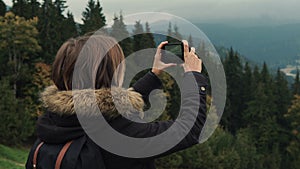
pixel 110 101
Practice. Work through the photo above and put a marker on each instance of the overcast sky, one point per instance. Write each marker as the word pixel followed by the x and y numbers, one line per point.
pixel 198 10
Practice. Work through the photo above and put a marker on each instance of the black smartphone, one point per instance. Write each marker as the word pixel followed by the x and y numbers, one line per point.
pixel 171 50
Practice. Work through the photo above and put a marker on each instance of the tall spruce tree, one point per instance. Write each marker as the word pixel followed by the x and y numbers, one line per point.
pixel 143 39
pixel 149 38
pixel 247 91
pixel 177 33
pixel 119 31
pixel 54 28
pixel 282 94
pixel 173 36
pixel 268 86
pixel 296 84
pixel 190 40
pixel 26 8
pixel 35 8
pixel 2 8
pixel 70 26
pixel 21 8
pixel 60 6
pixel 93 17
pixel 138 38
pixel 233 112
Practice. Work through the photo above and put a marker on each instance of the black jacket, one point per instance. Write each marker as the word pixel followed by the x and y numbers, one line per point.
pixel 60 124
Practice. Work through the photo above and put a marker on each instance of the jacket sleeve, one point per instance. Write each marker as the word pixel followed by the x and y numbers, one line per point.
pixel 190 99
pixel 146 84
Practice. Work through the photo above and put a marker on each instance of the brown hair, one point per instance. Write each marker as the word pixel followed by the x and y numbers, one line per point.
pixel 93 59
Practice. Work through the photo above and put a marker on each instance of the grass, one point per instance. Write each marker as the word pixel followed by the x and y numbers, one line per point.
pixel 12 158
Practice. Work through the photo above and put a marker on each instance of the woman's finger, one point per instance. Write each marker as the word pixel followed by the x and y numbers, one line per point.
pixel 185 48
pixel 160 46
pixel 169 65
pixel 193 50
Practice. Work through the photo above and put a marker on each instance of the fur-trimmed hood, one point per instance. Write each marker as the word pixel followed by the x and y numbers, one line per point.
pixel 110 101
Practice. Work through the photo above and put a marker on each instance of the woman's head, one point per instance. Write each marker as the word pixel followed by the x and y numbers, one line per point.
pixel 92 60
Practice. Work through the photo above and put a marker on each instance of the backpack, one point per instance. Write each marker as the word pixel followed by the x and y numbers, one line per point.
pixel 80 153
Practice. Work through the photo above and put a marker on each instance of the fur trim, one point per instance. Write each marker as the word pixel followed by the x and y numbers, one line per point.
pixel 112 102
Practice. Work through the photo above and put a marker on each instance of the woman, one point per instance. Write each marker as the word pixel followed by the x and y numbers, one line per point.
pixel 60 125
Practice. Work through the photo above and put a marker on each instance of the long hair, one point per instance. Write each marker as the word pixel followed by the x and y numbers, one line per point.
pixel 96 59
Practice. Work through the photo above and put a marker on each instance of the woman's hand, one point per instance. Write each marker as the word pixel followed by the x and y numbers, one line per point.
pixel 191 60
pixel 158 65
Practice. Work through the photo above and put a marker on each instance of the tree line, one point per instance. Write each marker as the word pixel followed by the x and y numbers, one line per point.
pixel 260 124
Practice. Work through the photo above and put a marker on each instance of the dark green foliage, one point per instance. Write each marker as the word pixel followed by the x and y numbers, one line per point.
pixel 2 8
pixel 248 86
pixel 139 36
pixel 296 85
pixel 149 39
pixel 16 122
pixel 26 8
pixel 70 25
pixel 233 112
pixel 60 6
pixel 54 28
pixel 172 161
pixel 282 96
pixel 93 17
pixel 121 34
pixel 20 8
pixel 293 148
pixel 35 8
pixel 142 39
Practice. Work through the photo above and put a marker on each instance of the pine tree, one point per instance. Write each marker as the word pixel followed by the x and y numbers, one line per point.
pixel 21 8
pixel 60 6
pixel 256 75
pixel 247 91
pixel 263 125
pixel 177 35
pixel 119 31
pixel 173 36
pixel 268 88
pixel 47 25
pixel 143 39
pixel 2 8
pixel 233 112
pixel 54 28
pixel 282 94
pixel 265 75
pixel 138 39
pixel 93 17
pixel 170 32
pixel 149 39
pixel 190 40
pixel 70 26
pixel 296 85
pixel 35 8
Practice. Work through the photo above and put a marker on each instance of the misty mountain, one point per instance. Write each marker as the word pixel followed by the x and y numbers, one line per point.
pixel 277 45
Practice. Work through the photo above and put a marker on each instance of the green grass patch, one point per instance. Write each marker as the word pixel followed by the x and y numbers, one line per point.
pixel 12 158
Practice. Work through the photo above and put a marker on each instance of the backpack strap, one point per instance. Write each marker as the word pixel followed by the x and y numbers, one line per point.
pixel 59 157
pixel 62 154
pixel 36 153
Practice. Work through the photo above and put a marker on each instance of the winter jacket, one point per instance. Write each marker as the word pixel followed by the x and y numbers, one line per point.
pixel 60 124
